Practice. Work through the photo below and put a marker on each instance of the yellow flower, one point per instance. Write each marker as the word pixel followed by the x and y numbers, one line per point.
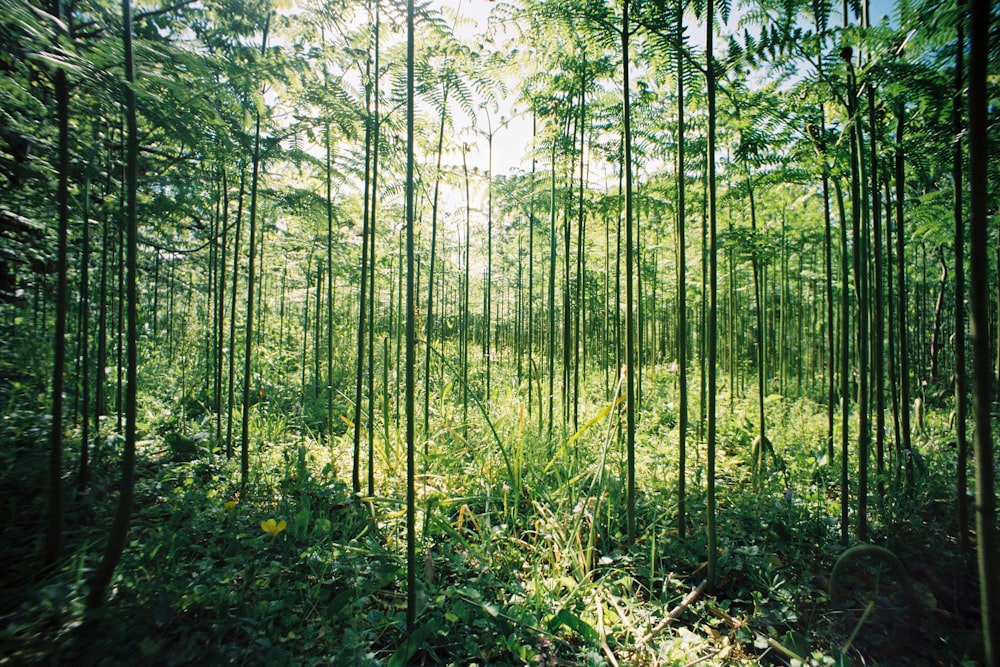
pixel 229 505
pixel 273 527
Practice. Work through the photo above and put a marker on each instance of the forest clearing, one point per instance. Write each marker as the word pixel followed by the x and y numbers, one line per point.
pixel 527 332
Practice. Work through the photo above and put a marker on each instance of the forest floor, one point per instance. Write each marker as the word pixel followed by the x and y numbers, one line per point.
pixel 523 557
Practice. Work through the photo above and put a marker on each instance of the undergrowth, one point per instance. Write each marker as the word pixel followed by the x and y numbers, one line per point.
pixel 523 552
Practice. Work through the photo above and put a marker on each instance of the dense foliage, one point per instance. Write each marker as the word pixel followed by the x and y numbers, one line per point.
pixel 364 333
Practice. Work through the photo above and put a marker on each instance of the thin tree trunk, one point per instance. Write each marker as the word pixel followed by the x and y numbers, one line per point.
pixel 488 287
pixel 118 533
pixel 703 319
pixel 936 344
pixel 120 326
pixel 53 533
pixel 961 386
pixel 84 463
pixel 221 328
pixel 552 290
pixel 904 363
pixel 879 333
pixel 713 305
pixel 465 300
pixel 210 315
pixel 317 325
pixel 580 252
pixel 845 375
pixel 411 357
pixel 859 216
pixel 891 327
pixel 231 398
pixel 305 329
pixel 761 449
pixel 329 289
pixel 429 325
pixel 567 341
pixel 630 369
pixel 248 350
pixel 363 303
pixel 376 142
pixel 986 527
pixel 682 338
pixel 100 382
pixel 531 274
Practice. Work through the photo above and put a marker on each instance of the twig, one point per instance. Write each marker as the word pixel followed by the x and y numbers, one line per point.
pixel 516 621
pixel 718 612
pixel 735 623
pixel 674 613
pixel 705 657
pixel 857 628
pixel 781 648
pixel 604 637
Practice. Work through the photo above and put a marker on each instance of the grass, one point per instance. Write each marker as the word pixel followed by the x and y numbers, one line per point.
pixel 522 543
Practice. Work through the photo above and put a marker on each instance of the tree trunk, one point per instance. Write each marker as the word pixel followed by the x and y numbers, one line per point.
pixel 629 296
pixel 845 366
pixel 961 386
pixel 118 533
pixel 329 291
pixel 248 350
pixel 552 290
pixel 221 323
pixel 429 324
pixel 878 339
pixel 376 142
pixel 936 344
pixel 986 527
pixel 53 533
pixel 363 301
pixel 411 357
pixel 904 363
pixel 712 292
pixel 758 454
pixel 682 337
pixel 231 397
pixel 859 216
pixel 84 463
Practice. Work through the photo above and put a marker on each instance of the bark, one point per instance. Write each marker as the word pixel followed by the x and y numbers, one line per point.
pixel 118 534
pixel 986 528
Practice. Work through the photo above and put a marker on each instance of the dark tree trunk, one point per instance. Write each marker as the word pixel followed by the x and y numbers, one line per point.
pixel 118 534
pixel 961 382
pixel 986 527
pixel 53 534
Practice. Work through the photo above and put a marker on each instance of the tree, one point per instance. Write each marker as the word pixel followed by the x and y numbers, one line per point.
pixel 363 300
pixel 859 216
pixel 682 338
pixel 713 285
pixel 411 356
pixel 118 534
pixel 961 383
pixel 986 528
pixel 53 537
pixel 252 254
pixel 630 370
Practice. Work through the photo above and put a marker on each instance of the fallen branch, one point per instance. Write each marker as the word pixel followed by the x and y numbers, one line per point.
pixel 735 623
pixel 674 613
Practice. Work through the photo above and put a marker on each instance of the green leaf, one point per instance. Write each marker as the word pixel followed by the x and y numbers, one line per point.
pixel 574 623
pixel 409 647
